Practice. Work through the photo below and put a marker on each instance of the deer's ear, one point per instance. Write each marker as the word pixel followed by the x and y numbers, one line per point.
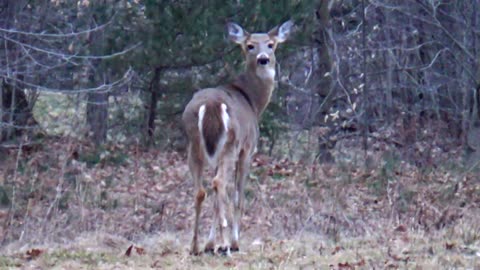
pixel 236 33
pixel 280 34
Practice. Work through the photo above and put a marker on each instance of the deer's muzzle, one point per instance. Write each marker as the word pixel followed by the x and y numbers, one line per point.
pixel 263 61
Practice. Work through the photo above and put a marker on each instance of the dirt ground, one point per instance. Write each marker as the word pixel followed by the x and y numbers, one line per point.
pixel 126 208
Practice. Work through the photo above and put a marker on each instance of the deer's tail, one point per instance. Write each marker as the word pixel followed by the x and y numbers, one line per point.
pixel 213 122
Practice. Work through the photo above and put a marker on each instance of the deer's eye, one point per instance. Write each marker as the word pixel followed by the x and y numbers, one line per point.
pixel 270 45
pixel 250 47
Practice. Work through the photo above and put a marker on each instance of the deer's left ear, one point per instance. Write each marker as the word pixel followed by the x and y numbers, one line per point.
pixel 280 34
pixel 236 33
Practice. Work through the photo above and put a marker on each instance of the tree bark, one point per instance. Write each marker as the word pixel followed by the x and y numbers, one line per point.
pixel 154 91
pixel 365 103
pixel 15 111
pixel 97 112
pixel 324 86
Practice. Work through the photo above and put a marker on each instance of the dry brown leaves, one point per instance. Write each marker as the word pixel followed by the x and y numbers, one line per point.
pixel 138 250
pixel 33 253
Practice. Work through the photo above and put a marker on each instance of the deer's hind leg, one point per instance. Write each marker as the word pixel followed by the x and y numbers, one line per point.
pixel 195 164
pixel 241 172
pixel 225 174
pixel 210 246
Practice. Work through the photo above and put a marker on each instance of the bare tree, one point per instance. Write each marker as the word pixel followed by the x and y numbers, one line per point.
pixel 47 47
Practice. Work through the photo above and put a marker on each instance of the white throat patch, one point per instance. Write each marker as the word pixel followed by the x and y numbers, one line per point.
pixel 266 73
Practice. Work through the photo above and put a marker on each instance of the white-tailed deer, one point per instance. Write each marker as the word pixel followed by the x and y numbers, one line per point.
pixel 222 127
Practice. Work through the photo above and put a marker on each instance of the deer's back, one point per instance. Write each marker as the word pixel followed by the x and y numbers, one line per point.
pixel 243 120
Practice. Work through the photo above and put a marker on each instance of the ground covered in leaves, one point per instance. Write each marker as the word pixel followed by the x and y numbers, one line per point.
pixel 65 204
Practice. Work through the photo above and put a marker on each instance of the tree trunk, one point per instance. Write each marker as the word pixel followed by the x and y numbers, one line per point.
pixel 324 86
pixel 365 103
pixel 15 112
pixel 390 64
pixel 154 91
pixel 97 112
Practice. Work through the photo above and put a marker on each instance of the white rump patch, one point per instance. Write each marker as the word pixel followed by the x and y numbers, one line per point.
pixel 201 114
pixel 225 117
pixel 213 160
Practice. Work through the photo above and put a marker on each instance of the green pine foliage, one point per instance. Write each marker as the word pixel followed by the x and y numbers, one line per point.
pixel 181 36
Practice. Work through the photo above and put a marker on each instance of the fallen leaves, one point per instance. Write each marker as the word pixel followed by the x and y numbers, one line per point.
pixel 33 253
pixel 401 228
pixel 138 250
pixel 229 264
pixel 153 193
pixel 129 251
pixel 347 265
pixel 397 257
pixel 336 250
pixel 449 246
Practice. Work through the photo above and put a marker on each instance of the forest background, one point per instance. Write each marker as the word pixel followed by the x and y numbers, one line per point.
pixel 368 157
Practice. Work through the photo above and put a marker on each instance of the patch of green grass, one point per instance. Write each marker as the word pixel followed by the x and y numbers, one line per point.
pixel 107 203
pixel 91 159
pixel 309 182
pixel 80 256
pixel 406 197
pixel 278 176
pixel 8 263
pixel 64 201
pixel 4 199
pixel 116 158
pixel 101 155
pixel 386 174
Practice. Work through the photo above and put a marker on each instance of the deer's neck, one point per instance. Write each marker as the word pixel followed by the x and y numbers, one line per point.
pixel 256 90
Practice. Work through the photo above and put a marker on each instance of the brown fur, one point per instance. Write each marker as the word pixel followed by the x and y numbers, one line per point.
pixel 201 195
pixel 215 184
pixel 212 127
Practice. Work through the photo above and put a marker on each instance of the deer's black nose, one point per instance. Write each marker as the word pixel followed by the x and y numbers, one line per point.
pixel 263 61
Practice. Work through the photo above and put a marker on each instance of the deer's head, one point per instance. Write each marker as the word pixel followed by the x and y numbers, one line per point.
pixel 259 48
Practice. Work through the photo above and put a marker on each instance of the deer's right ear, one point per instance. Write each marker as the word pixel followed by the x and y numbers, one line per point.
pixel 283 32
pixel 236 33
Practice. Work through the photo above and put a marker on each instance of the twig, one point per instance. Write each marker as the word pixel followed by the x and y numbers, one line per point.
pixel 61 35
pixel 67 57
pixel 8 221
pixel 101 89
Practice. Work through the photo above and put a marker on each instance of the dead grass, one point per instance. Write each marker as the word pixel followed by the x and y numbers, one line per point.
pixel 82 208
pixel 404 250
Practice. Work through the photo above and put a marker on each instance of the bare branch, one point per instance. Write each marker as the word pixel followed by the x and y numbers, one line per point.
pixel 61 35
pixel 101 88
pixel 67 57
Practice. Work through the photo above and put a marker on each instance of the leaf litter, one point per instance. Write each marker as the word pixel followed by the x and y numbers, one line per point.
pixel 297 214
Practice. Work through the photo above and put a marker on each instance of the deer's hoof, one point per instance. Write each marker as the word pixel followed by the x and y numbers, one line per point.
pixel 195 252
pixel 222 251
pixel 234 248
pixel 210 248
